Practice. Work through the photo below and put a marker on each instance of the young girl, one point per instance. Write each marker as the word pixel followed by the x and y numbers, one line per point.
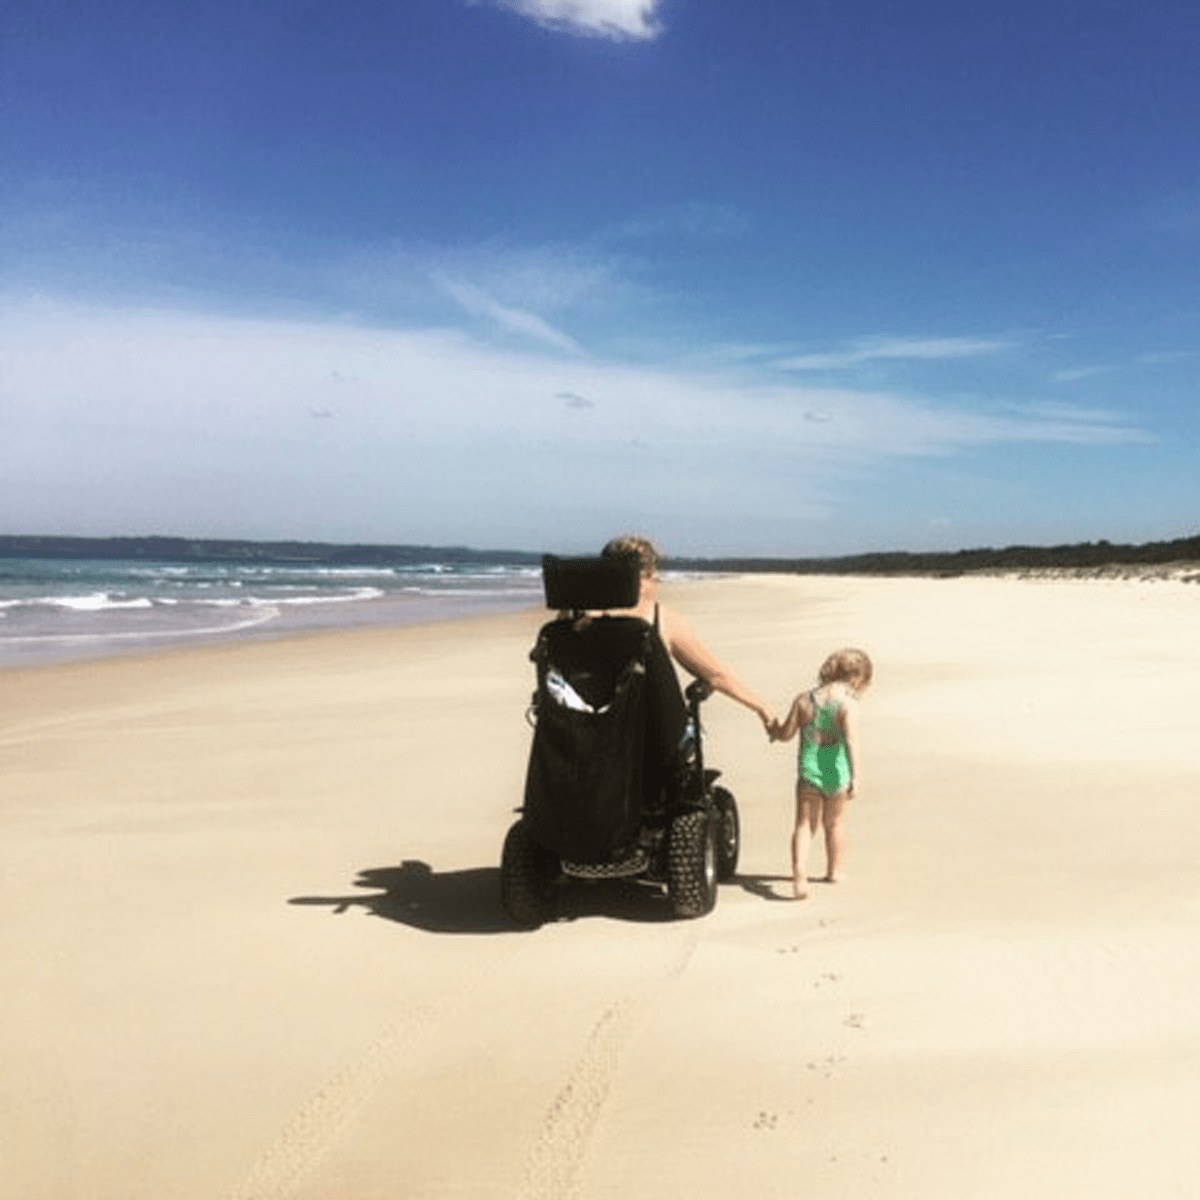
pixel 829 773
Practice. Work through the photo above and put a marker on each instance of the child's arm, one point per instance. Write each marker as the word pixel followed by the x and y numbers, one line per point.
pixel 848 719
pixel 787 729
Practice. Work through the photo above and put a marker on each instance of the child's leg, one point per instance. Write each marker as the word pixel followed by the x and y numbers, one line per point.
pixel 832 808
pixel 800 842
pixel 808 812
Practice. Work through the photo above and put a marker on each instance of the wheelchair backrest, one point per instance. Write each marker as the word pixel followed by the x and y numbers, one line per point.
pixel 591 584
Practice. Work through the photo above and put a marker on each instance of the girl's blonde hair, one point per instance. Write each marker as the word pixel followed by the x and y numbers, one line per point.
pixel 847 666
pixel 645 550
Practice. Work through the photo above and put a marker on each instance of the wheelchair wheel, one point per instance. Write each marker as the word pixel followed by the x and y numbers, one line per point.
pixel 729 834
pixel 526 872
pixel 692 864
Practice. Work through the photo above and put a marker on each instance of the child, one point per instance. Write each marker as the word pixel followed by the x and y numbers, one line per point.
pixel 829 774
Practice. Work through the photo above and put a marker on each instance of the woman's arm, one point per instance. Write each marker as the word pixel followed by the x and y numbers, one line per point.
pixel 694 656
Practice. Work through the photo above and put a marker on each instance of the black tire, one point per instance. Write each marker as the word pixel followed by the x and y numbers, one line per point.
pixel 692 864
pixel 526 872
pixel 729 834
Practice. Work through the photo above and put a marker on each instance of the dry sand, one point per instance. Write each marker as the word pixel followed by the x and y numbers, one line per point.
pixel 251 947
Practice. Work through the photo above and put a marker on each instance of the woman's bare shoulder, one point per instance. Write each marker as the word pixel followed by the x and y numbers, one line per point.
pixel 671 624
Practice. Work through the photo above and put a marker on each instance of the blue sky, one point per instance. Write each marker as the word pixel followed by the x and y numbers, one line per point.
pixel 780 277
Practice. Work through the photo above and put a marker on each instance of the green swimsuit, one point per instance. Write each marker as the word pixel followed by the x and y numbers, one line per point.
pixel 824 763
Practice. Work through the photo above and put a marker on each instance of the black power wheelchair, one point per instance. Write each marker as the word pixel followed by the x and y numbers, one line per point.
pixel 616 785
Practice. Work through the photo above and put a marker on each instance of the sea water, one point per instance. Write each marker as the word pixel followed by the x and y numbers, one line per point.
pixel 55 610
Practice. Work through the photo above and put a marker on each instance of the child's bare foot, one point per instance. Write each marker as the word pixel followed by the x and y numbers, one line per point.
pixel 799 888
pixel 831 878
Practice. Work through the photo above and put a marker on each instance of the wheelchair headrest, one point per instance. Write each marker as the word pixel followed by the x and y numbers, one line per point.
pixel 591 583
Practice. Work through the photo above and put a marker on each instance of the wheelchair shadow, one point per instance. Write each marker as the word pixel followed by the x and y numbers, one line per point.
pixel 468 902
pixel 413 893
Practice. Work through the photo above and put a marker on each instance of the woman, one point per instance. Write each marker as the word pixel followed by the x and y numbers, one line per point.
pixel 678 636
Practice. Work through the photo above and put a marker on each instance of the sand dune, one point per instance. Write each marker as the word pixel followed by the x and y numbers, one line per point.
pixel 251 944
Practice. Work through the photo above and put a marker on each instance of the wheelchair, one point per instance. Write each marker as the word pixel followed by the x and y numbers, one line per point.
pixel 616 786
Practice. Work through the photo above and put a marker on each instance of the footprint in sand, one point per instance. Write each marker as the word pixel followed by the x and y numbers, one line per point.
pixel 827 1066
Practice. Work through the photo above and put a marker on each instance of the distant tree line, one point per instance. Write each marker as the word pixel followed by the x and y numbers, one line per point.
pixel 899 562
pixel 958 562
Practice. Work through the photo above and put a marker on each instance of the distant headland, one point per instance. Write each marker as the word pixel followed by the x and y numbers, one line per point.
pixel 231 550
pixel 1102 557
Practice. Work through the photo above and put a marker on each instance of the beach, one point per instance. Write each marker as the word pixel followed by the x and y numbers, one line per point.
pixel 251 946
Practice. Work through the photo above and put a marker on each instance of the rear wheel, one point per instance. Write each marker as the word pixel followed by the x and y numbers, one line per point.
pixel 527 870
pixel 692 864
pixel 729 834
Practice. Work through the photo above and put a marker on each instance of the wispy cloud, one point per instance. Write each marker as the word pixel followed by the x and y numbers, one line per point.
pixel 544 279
pixel 1069 423
pixel 479 303
pixel 1075 374
pixel 1152 359
pixel 896 350
pixel 689 218
pixel 623 19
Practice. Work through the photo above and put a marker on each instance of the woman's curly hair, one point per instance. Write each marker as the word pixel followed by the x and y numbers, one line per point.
pixel 643 548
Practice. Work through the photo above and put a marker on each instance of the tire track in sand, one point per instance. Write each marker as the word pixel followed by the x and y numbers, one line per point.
pixel 552 1170
pixel 313 1130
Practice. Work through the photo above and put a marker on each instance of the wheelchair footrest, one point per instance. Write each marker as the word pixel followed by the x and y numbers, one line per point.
pixel 634 864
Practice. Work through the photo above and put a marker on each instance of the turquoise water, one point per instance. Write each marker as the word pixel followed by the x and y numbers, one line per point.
pixel 54 610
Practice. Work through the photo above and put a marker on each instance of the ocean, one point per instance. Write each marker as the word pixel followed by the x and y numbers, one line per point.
pixel 61 610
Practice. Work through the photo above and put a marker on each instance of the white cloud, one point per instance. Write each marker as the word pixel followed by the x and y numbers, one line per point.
pixel 600 18
pixel 144 421
pixel 896 349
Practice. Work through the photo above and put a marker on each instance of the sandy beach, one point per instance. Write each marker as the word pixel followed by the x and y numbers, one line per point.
pixel 251 945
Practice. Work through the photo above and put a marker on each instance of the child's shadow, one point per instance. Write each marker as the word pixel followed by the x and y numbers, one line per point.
pixel 437 901
pixel 760 886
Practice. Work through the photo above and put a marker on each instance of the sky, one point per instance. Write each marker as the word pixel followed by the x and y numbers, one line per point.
pixel 784 277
